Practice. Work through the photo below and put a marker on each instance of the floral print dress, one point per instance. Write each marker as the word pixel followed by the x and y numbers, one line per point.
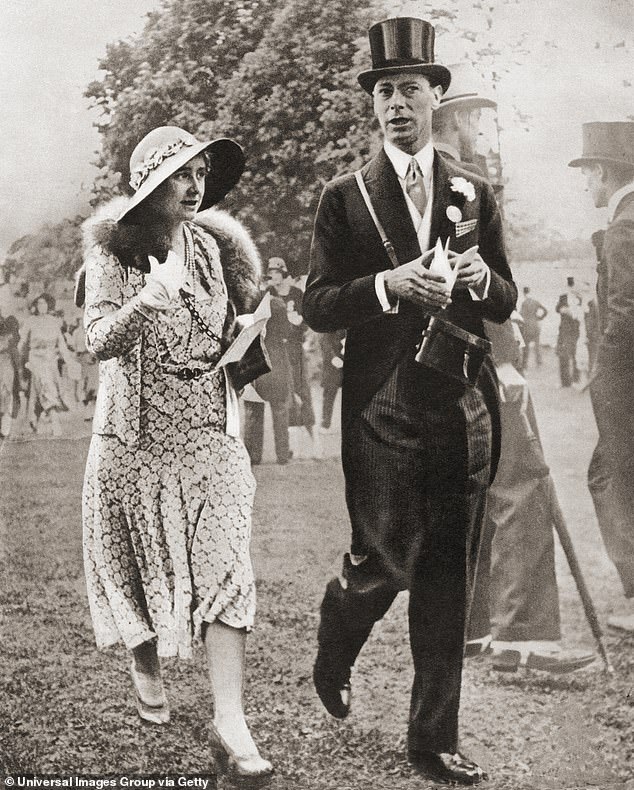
pixel 167 522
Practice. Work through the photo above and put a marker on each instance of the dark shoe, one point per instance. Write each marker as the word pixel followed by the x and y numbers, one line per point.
pixel 245 769
pixel 559 662
pixel 447 768
pixel 478 647
pixel 335 694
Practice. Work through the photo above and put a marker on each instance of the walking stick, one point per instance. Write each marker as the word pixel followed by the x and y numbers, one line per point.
pixel 566 544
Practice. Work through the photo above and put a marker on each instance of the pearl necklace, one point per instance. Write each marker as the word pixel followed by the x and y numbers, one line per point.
pixel 166 357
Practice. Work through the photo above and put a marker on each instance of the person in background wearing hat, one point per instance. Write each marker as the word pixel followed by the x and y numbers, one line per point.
pixel 416 444
pixel 570 314
pixel 168 489
pixel 533 313
pixel 515 611
pixel 456 122
pixel 274 388
pixel 607 163
pixel 281 285
pixel 42 349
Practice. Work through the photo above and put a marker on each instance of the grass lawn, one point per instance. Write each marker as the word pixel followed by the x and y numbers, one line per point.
pixel 67 709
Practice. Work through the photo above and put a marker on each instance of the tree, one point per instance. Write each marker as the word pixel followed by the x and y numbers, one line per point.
pixel 276 76
pixel 296 107
pixel 51 254
pixel 171 73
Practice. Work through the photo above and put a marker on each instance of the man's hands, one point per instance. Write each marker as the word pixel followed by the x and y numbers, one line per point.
pixel 471 268
pixel 414 283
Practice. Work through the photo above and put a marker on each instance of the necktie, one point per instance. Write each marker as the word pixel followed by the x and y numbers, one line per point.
pixel 415 186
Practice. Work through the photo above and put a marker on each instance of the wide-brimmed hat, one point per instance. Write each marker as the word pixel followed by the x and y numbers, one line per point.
pixel 166 149
pixel 467 89
pixel 403 44
pixel 607 141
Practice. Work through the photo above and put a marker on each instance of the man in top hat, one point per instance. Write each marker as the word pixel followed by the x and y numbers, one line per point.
pixel 569 307
pixel 416 444
pixel 515 612
pixel 607 162
pixel 281 285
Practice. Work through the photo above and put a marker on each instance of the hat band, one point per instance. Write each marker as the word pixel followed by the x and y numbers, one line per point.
pixel 389 63
pixel 153 159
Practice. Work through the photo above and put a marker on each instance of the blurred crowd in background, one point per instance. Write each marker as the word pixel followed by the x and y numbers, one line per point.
pixel 46 371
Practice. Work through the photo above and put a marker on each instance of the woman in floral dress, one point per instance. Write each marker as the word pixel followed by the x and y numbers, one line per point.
pixel 168 490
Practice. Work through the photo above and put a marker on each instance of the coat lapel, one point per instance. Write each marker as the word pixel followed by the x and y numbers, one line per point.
pixel 390 207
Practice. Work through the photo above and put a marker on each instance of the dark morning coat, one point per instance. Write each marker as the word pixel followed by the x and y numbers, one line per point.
pixel 347 253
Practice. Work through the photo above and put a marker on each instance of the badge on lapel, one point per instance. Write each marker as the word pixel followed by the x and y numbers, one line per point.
pixel 453 214
pixel 462 228
pixel 462 191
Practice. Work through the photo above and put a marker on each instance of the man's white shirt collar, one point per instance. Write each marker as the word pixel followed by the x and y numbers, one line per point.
pixel 400 160
pixel 617 197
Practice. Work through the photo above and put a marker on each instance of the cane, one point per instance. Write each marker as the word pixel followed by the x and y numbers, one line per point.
pixel 566 544
pixel 569 550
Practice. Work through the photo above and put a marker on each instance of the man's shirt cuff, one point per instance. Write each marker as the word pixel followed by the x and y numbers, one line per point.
pixel 381 294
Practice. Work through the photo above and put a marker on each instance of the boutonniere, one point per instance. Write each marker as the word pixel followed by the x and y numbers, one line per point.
pixel 463 187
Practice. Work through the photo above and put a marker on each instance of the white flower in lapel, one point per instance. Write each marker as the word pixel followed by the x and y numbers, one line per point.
pixel 464 187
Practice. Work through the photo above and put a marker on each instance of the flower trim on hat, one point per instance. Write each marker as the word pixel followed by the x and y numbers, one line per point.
pixel 463 187
pixel 153 159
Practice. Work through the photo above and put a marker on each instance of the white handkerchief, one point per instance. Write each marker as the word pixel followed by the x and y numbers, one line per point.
pixel 440 264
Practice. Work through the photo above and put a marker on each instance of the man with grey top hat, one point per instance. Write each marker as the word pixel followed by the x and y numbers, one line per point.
pixel 456 123
pixel 416 443
pixel 515 613
pixel 607 163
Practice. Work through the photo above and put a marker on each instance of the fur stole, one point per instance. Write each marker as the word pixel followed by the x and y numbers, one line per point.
pixel 131 244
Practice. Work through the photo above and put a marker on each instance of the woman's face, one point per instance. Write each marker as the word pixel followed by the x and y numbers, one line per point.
pixel 178 198
pixel 41 306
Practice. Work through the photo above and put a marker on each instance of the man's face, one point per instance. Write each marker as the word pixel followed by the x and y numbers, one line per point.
pixel 468 122
pixel 403 104
pixel 595 184
pixel 276 277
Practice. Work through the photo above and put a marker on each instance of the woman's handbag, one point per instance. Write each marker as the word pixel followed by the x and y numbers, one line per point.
pixel 254 363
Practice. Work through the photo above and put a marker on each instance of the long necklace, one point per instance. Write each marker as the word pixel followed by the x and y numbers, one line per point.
pixel 167 358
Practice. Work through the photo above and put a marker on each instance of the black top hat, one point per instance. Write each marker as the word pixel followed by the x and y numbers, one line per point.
pixel 403 44
pixel 605 141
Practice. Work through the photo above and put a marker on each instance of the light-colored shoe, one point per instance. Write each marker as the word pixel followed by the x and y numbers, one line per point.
pixel 622 622
pixel 545 656
pixel 241 768
pixel 150 697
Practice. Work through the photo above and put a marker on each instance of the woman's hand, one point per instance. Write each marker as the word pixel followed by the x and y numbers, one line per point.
pixel 163 283
pixel 171 274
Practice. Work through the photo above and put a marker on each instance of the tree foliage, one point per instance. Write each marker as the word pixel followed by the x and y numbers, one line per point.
pixel 277 76
pixel 51 254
